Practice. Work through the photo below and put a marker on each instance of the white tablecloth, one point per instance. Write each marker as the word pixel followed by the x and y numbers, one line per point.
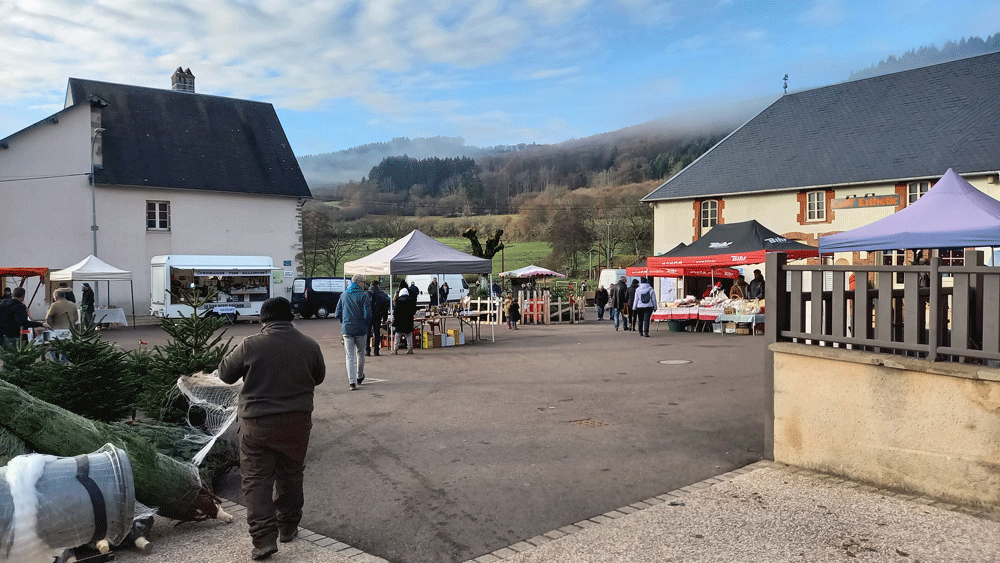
pixel 110 316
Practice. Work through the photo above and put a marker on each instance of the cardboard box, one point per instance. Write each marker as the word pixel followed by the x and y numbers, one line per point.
pixel 743 330
pixel 437 340
pixel 730 328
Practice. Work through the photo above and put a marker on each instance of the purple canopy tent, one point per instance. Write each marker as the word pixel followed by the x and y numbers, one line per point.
pixel 952 214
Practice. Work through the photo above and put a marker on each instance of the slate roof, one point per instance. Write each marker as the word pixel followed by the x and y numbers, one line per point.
pixel 912 124
pixel 167 139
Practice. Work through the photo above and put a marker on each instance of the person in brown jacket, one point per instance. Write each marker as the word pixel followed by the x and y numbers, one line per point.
pixel 280 368
pixel 62 314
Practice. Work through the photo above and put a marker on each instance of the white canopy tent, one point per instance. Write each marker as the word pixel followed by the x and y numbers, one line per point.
pixel 94 269
pixel 417 253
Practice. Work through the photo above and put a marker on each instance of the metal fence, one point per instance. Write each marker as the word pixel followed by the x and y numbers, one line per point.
pixel 941 313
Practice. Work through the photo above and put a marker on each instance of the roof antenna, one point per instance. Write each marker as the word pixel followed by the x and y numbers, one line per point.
pixel 786 84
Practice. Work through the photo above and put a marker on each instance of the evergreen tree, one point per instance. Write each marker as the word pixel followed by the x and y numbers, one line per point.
pixel 194 348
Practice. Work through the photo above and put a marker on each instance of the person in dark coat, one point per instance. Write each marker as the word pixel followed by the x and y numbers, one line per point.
pixel 402 320
pixel 618 292
pixel 756 289
pixel 629 298
pixel 601 300
pixel 67 292
pixel 6 294
pixel 87 305
pixel 380 314
pixel 280 369
pixel 414 292
pixel 443 293
pixel 14 317
pixel 432 292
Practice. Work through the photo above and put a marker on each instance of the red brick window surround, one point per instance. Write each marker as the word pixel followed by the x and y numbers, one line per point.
pixel 707 214
pixel 815 206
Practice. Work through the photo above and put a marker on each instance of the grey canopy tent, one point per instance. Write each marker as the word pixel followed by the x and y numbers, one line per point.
pixel 94 269
pixel 417 253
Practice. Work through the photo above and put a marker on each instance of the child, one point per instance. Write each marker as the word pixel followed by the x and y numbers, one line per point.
pixel 513 313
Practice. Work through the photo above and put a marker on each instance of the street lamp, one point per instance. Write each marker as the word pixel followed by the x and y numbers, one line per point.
pixel 93 193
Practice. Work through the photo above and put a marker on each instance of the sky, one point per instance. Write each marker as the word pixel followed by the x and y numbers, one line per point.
pixel 342 73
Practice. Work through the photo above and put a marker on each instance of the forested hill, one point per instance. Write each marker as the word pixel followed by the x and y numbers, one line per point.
pixel 930 55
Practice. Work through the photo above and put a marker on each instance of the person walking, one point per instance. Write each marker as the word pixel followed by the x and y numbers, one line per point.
pixel 380 314
pixel 402 320
pixel 756 288
pixel 280 368
pixel 644 304
pixel 87 305
pixel 601 301
pixel 617 297
pixel 629 298
pixel 354 309
pixel 14 318
pixel 432 292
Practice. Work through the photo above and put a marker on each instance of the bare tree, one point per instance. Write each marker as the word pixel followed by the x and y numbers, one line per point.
pixel 325 243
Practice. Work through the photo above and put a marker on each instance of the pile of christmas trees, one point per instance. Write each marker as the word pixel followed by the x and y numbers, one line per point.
pixel 71 396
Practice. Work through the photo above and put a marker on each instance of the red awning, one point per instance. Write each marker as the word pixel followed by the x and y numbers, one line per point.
pixel 754 257
pixel 676 272
pixel 23 272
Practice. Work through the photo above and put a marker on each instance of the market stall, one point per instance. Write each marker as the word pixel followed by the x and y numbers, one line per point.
pixel 726 245
pixel 534 304
pixel 417 253
pixel 96 270
pixel 24 274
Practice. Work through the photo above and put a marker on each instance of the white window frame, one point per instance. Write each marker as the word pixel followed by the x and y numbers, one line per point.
pixel 709 213
pixel 816 206
pixel 157 208
pixel 894 258
pixel 916 190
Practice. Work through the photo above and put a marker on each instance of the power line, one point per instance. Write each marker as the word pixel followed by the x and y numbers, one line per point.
pixel 43 177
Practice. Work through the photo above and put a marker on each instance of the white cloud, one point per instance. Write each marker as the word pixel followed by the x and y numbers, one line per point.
pixel 824 13
pixel 553 73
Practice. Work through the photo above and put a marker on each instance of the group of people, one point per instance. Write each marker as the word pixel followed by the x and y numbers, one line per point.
pixel 61 315
pixel 740 289
pixel 438 293
pixel 631 305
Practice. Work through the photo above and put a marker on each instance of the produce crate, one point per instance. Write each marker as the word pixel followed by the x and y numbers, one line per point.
pixel 743 330
pixel 730 328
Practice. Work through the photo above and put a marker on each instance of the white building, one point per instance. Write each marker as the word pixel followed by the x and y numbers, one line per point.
pixel 176 173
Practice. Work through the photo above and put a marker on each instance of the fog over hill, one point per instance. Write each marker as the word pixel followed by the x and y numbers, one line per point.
pixel 334 168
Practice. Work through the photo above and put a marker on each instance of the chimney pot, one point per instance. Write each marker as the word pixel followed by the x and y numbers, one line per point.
pixel 182 80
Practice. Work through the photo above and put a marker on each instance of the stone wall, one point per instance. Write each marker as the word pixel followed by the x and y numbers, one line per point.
pixel 928 428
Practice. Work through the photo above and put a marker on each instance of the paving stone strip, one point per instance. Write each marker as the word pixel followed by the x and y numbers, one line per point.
pixel 356 555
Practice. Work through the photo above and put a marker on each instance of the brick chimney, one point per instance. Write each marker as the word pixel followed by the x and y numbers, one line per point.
pixel 182 81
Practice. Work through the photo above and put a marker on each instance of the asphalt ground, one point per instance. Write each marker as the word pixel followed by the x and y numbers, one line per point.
pixel 452 453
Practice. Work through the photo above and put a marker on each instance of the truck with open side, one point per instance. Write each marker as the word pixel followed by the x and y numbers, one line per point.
pixel 240 284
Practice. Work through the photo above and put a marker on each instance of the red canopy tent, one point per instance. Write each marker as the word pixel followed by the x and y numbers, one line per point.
pixel 731 244
pixel 24 274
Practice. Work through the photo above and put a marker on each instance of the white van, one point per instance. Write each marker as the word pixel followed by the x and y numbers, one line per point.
pixel 610 277
pixel 457 286
pixel 243 283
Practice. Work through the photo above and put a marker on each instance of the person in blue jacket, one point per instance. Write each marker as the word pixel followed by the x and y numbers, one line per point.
pixel 354 309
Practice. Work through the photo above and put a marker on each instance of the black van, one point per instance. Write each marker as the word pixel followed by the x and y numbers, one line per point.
pixel 316 296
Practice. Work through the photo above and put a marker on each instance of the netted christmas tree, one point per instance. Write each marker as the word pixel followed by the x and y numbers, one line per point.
pixel 194 347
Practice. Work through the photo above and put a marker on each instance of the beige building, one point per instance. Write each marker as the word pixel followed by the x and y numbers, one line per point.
pixel 175 172
pixel 835 158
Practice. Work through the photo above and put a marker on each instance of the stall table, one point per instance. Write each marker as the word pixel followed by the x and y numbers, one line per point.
pixel 108 316
pixel 751 319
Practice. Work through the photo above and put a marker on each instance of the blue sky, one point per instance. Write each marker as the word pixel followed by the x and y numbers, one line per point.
pixel 342 73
